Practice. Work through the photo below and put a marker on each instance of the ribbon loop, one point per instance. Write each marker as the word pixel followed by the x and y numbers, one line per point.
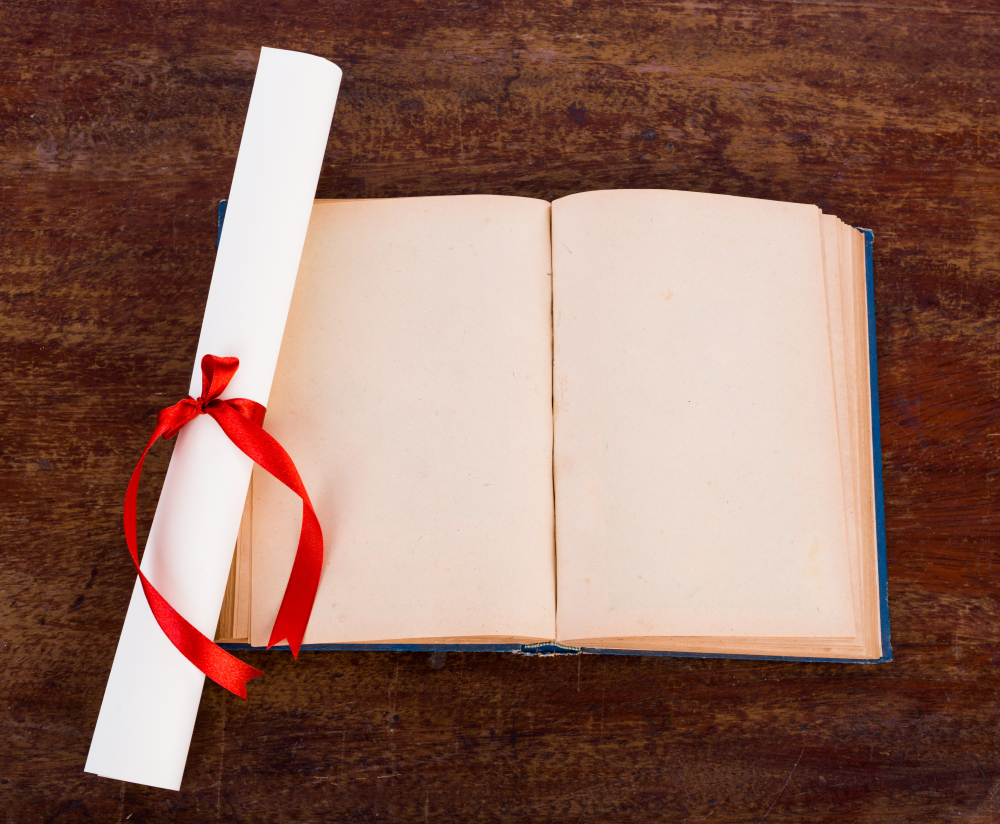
pixel 216 373
pixel 240 419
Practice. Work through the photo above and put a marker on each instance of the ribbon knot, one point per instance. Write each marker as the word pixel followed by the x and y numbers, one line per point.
pixel 240 419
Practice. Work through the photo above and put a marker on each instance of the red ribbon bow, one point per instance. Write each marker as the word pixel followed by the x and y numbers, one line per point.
pixel 240 419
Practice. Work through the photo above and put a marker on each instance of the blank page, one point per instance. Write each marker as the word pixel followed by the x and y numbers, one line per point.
pixel 413 391
pixel 697 473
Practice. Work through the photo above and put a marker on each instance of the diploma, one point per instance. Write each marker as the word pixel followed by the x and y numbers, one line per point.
pixel 147 717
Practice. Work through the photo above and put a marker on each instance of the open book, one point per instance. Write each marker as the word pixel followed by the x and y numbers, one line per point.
pixel 632 420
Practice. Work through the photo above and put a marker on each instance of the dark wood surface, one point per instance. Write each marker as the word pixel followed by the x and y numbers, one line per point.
pixel 119 128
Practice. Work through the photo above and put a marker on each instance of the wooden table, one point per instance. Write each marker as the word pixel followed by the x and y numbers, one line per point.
pixel 119 128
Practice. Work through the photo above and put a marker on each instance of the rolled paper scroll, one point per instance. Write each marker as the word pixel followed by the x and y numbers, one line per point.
pixel 147 718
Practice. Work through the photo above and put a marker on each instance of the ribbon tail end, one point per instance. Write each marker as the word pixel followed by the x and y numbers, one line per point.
pixel 279 635
pixel 237 681
pixel 242 693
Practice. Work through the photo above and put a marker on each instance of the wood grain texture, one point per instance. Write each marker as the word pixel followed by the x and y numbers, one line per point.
pixel 119 128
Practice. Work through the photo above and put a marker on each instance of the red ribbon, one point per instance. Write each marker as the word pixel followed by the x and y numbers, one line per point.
pixel 240 419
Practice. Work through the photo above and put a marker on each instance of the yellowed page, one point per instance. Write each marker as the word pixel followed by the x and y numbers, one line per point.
pixel 842 342
pixel 865 465
pixel 242 559
pixel 697 468
pixel 234 618
pixel 413 392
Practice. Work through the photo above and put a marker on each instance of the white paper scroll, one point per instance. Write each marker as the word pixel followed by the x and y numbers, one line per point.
pixel 144 729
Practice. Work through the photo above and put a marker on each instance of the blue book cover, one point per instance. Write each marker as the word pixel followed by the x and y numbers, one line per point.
pixel 552 648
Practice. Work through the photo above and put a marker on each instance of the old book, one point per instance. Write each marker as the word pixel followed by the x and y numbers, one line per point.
pixel 625 421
